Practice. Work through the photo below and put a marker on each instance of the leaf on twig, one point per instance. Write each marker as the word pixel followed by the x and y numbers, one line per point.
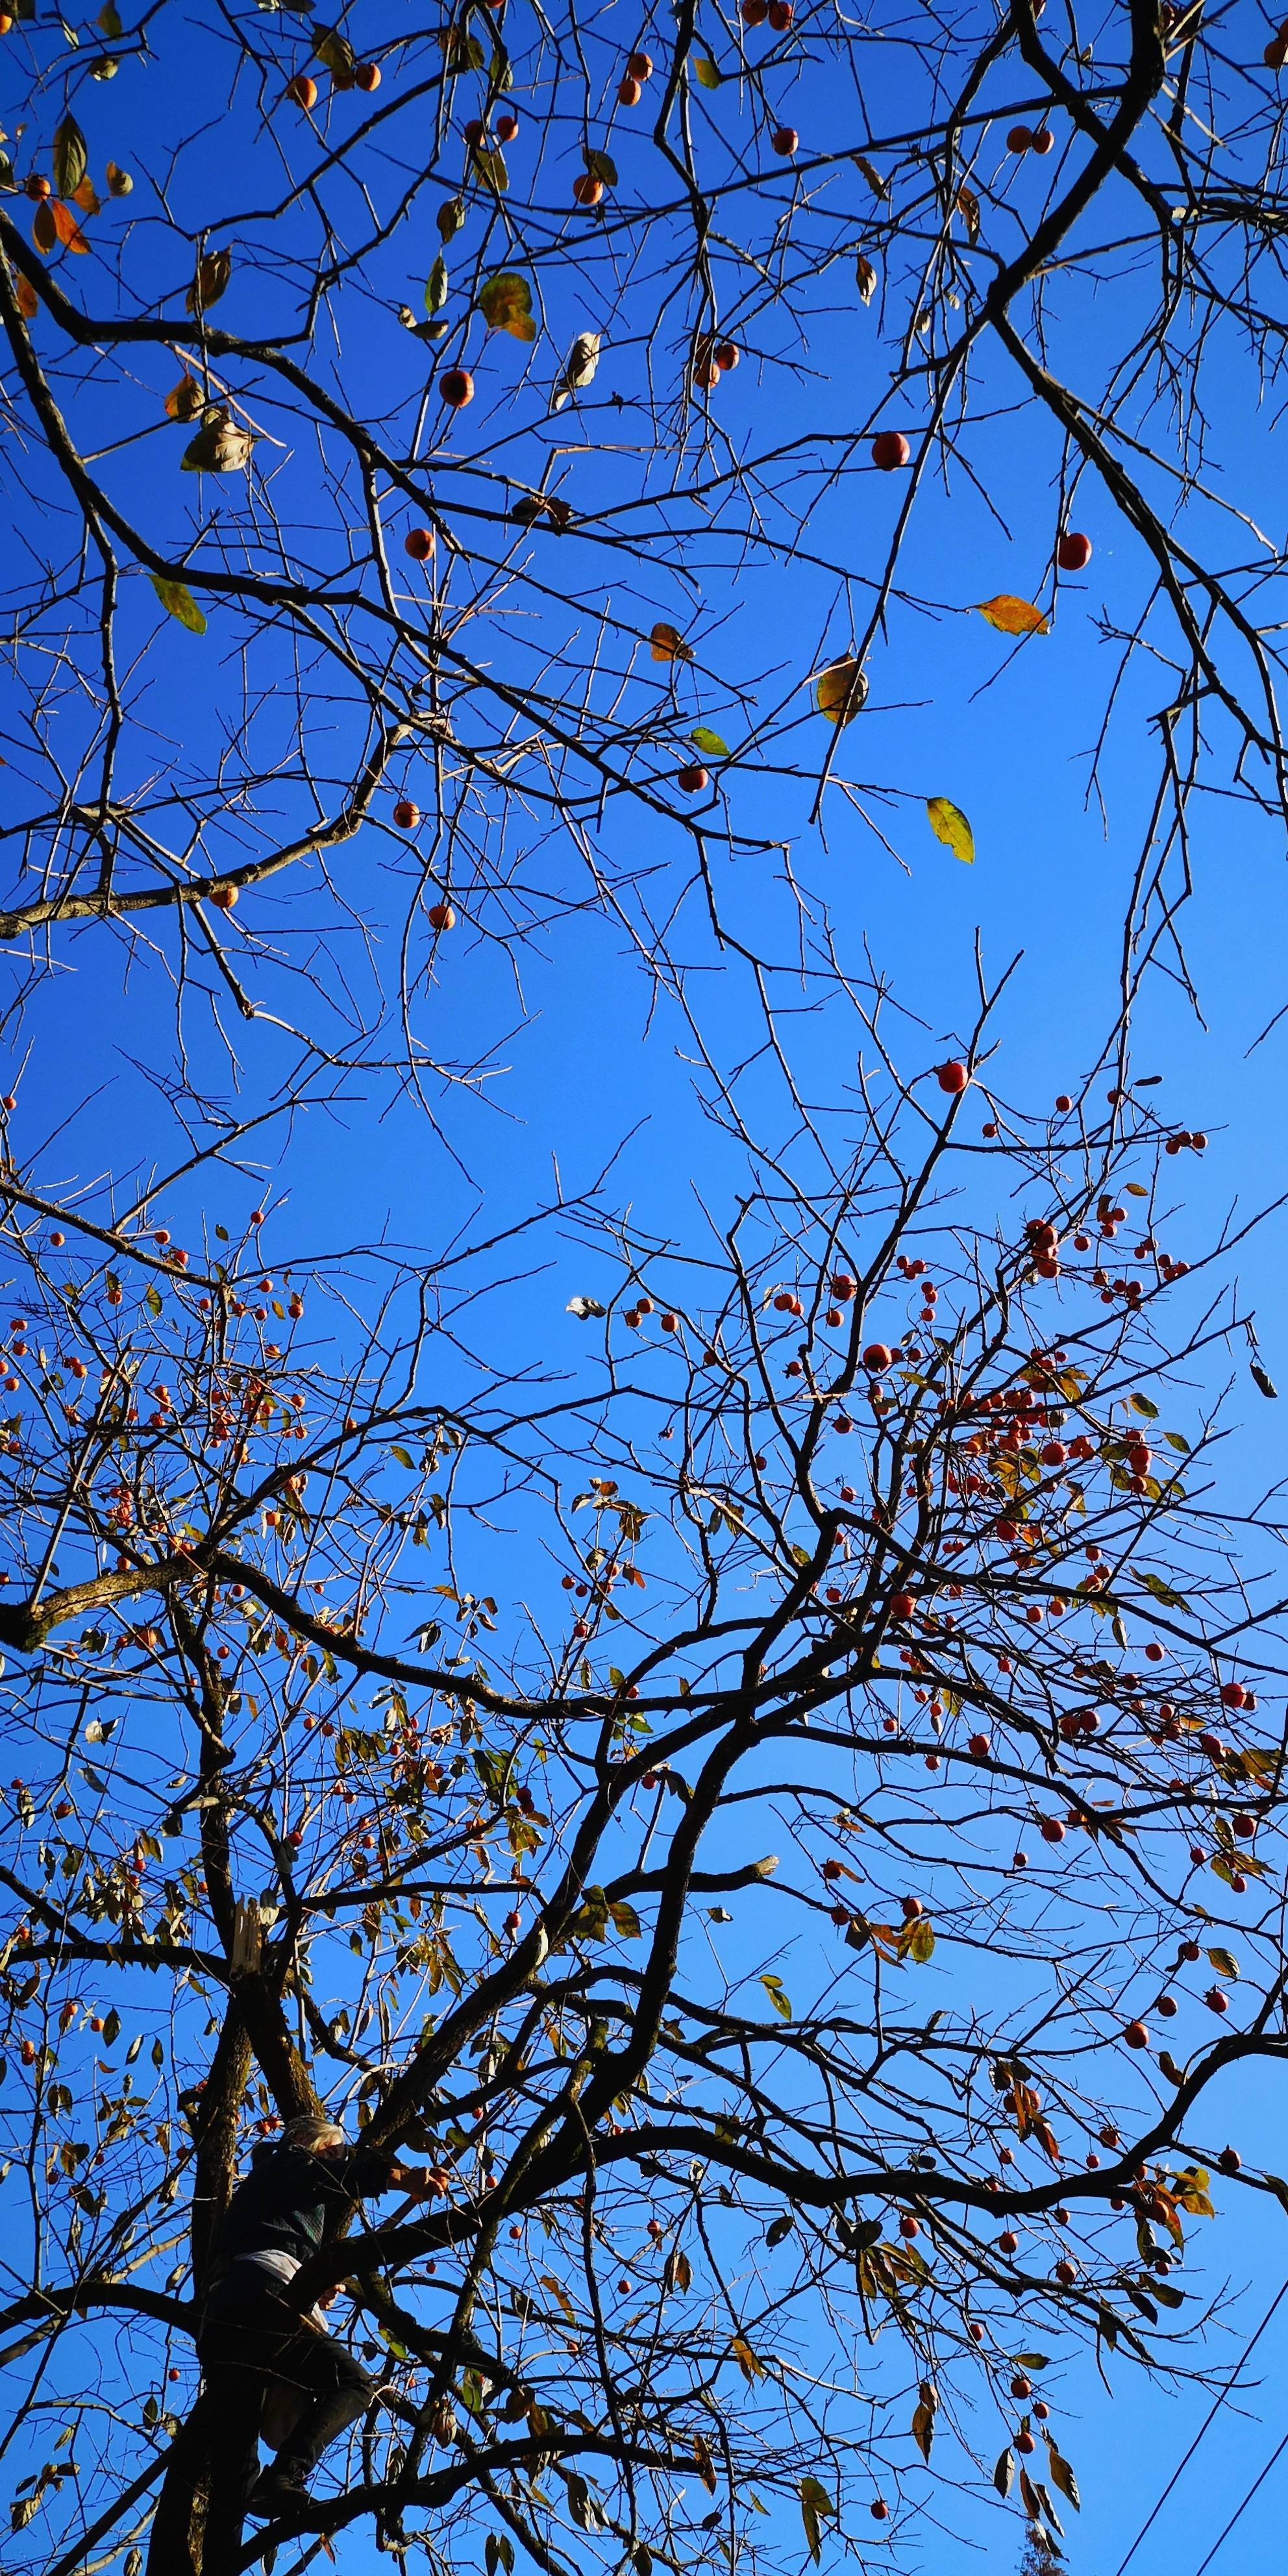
pixel 865 276
pixel 221 446
pixel 1013 616
pixel 707 740
pixel 968 209
pixel 706 72
pixel 816 2507
pixel 601 165
pixel 436 286
pixel 177 600
pixel 210 282
pixel 505 302
pixel 668 645
pixel 840 692
pixel 71 157
pixel 949 825
pixel 584 1307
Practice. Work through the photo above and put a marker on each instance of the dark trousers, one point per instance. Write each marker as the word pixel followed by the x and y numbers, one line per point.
pixel 252 2341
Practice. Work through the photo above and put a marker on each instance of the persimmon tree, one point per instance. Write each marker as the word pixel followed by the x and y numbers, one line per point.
pixel 472 471
pixel 776 1806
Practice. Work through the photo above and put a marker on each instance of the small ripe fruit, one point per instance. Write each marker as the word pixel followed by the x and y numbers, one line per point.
pixel 303 90
pixel 978 1745
pixel 1190 1950
pixel 38 188
pixel 877 1358
pixel 890 449
pixel 507 126
pixel 587 190
pixel 1008 2242
pixel 1232 1694
pixel 457 387
pixel 902 1605
pixel 442 916
pixel 1025 2442
pixel 843 1287
pixel 692 780
pixel 1216 2000
pixel 629 92
pixel 1153 1652
pixel 406 815
pixel 781 14
pixel 1073 553
pixel 366 76
pixel 975 2330
pixel 1167 2007
pixel 727 355
pixel 1052 1830
pixel 1041 2410
pixel 786 140
pixel 1244 1825
pixel 908 2227
pixel 223 897
pixel 1044 140
pixel 419 543
pixel 1066 2272
pixel 473 131
pixel 879 2509
pixel 754 12
pixel 951 1077
pixel 1230 2161
pixel 1020 139
pixel 639 66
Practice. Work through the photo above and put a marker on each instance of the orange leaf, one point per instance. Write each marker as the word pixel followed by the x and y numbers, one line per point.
pixel 1013 616
pixel 66 226
pixel 840 691
pixel 42 227
pixel 668 644
pixel 28 300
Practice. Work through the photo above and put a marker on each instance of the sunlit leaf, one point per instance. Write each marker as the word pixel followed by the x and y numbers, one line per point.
pixel 334 50
pixel 706 740
pixel 816 2506
pixel 450 217
pixel 436 286
pixel 28 300
pixel 601 165
pixel 704 71
pixel 668 645
pixel 221 446
pixel 949 825
pixel 873 176
pixel 841 691
pixel 210 282
pixel 968 209
pixel 177 600
pixel 490 166
pixel 865 276
pixel 505 302
pixel 1013 616
pixel 1062 2476
pixel 1004 2473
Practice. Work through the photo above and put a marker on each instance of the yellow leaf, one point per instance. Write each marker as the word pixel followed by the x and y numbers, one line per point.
pixel 177 600
pixel 668 644
pixel 840 691
pixel 949 825
pixel 1013 616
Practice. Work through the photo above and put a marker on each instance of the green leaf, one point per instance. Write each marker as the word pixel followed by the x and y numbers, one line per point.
pixel 1177 1440
pixel 1144 1404
pixel 490 167
pixel 601 165
pixel 625 1920
pixel 505 302
pixel 450 217
pixel 1062 2475
pixel 1224 1962
pixel 71 157
pixel 949 825
pixel 1004 2474
pixel 708 741
pixel 153 1301
pixel 705 71
pixel 781 2002
pixel 436 285
pixel 177 600
pixel 403 1456
pixel 816 2506
pixel 1163 1592
pixel 840 692
pixel 109 21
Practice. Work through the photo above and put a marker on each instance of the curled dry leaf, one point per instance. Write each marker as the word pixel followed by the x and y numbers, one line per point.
pixel 949 825
pixel 28 300
pixel 542 510
pixel 668 645
pixel 221 446
pixel 579 368
pixel 1013 616
pixel 584 1308
pixel 865 276
pixel 210 282
pixel 184 400
pixel 841 691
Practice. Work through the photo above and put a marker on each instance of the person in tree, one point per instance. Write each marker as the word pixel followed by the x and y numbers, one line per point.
pixel 255 2343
